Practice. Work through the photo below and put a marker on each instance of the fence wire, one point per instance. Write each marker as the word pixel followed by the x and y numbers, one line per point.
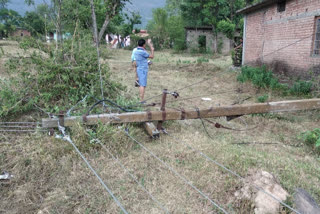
pixel 68 139
pixel 176 173
pixel 133 177
pixel 233 173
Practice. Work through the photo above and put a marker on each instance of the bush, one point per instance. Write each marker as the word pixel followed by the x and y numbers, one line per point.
pixel 312 138
pixel 301 88
pixel 263 99
pixel 227 28
pixel 55 81
pixel 202 59
pixel 179 44
pixel 12 100
pixel 262 78
pixel 30 42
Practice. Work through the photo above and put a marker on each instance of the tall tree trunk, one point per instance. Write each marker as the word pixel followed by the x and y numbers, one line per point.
pixel 104 27
pixel 107 20
pixel 113 12
pixel 94 23
pixel 58 24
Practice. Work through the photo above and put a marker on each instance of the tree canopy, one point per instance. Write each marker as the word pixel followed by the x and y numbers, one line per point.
pixel 167 25
pixel 3 3
pixel 69 16
pixel 9 20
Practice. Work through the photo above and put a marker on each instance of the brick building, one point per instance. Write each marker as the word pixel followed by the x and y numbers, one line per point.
pixel 285 32
pixel 204 39
pixel 21 32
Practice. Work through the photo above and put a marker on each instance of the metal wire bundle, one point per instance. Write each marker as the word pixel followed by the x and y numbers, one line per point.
pixel 17 127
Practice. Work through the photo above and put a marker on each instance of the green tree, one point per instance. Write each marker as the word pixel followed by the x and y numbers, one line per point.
pixel 176 32
pixel 194 14
pixel 227 28
pixel 173 7
pixel 220 14
pixel 112 9
pixel 34 23
pixel 3 3
pixel 10 20
pixel 210 12
pixel 158 26
pixel 167 29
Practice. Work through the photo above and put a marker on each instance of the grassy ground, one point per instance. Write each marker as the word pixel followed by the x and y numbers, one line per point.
pixel 51 178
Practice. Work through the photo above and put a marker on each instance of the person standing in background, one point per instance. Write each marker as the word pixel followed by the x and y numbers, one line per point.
pixel 141 57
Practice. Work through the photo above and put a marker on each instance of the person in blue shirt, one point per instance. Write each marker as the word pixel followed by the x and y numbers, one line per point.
pixel 134 67
pixel 141 56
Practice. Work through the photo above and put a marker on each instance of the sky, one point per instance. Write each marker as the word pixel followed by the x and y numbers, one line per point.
pixel 143 6
pixel 21 7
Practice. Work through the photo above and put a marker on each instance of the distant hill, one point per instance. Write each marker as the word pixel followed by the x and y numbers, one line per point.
pixel 143 6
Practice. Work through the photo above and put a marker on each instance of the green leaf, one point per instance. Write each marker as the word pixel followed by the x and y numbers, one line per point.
pixel 318 143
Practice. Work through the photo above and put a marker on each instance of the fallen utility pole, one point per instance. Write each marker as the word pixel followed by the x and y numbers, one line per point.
pixel 221 111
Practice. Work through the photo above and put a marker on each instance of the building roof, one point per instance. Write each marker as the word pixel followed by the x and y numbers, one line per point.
pixel 21 28
pixel 257 6
pixel 199 28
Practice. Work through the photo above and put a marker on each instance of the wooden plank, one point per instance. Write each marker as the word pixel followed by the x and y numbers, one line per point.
pixel 152 130
pixel 283 106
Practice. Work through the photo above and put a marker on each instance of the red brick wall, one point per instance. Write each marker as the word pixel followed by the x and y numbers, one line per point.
pixel 292 31
pixel 20 32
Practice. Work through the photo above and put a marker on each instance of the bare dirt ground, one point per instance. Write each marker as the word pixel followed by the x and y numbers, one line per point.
pixel 51 178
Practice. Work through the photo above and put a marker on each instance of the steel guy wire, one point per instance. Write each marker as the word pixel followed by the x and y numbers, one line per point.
pixel 68 139
pixel 188 86
pixel 132 176
pixel 71 109
pixel 99 66
pixel 176 173
pixel 48 113
pixel 233 173
pixel 190 98
pixel 197 83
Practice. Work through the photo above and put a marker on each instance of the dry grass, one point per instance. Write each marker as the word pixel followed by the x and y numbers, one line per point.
pixel 51 178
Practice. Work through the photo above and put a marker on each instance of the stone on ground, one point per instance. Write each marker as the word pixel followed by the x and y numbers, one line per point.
pixel 263 203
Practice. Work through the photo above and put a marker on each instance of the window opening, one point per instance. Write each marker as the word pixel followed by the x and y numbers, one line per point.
pixel 202 43
pixel 316 46
pixel 282 6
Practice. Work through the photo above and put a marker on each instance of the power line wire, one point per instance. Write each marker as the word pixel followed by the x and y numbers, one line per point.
pixel 132 176
pixel 13 130
pixel 150 98
pixel 176 173
pixel 10 126
pixel 234 173
pixel 68 139
pixel 197 83
pixel 287 46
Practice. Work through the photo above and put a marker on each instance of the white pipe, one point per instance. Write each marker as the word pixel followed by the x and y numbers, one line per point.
pixel 244 38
